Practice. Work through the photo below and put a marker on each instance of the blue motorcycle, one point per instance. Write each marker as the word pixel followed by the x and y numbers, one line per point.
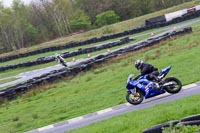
pixel 142 87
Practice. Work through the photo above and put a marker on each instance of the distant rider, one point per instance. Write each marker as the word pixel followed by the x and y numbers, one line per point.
pixel 150 70
pixel 60 59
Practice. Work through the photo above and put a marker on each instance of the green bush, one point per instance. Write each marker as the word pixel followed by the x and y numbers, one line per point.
pixel 80 21
pixel 106 18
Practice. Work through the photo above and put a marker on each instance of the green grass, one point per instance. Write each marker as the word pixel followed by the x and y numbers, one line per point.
pixel 110 29
pixel 6 80
pixel 2 81
pixel 137 121
pixel 102 87
pixel 14 72
pixel 182 129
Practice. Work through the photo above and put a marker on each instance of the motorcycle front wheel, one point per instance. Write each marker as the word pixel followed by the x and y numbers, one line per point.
pixel 134 99
pixel 174 85
pixel 64 64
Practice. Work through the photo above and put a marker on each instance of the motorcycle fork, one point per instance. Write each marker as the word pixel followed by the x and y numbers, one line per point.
pixel 134 91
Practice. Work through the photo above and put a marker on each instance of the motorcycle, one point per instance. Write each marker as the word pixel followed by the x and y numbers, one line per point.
pixel 61 61
pixel 144 88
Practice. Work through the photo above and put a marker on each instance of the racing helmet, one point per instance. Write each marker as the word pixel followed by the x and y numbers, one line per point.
pixel 138 64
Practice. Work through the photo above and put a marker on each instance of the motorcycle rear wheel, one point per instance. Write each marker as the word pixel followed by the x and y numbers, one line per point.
pixel 134 98
pixel 175 85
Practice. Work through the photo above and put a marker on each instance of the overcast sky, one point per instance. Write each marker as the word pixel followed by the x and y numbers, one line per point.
pixel 9 2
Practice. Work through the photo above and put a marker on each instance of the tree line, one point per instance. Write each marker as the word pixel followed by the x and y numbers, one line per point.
pixel 24 25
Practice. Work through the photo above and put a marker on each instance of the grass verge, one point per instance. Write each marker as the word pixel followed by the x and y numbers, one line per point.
pixel 2 81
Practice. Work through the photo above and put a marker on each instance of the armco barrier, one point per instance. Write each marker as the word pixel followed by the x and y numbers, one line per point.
pixel 190 120
pixel 43 60
pixel 12 92
pixel 104 38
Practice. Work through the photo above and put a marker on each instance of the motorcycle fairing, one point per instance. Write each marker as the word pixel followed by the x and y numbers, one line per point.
pixel 164 72
pixel 146 86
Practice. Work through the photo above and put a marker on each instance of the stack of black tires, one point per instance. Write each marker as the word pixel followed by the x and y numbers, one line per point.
pixel 187 121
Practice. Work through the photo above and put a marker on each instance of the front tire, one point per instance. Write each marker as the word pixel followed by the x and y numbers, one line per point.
pixel 174 86
pixel 64 64
pixel 134 98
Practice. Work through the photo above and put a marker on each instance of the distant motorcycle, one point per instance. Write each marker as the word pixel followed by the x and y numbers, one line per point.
pixel 63 63
pixel 142 87
pixel 60 60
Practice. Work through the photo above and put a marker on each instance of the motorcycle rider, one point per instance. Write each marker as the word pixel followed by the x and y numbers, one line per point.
pixel 150 70
pixel 60 59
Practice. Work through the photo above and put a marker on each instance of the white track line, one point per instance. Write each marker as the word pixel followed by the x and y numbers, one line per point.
pixel 189 86
pixel 104 111
pixel 75 119
pixel 45 128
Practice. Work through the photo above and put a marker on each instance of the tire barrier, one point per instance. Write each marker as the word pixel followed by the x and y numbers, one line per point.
pixel 190 120
pixel 70 45
pixel 43 60
pixel 150 23
pixel 159 128
pixel 11 92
